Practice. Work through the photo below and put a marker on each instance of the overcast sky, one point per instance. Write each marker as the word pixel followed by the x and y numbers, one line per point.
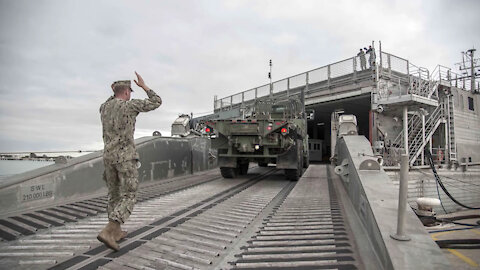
pixel 59 58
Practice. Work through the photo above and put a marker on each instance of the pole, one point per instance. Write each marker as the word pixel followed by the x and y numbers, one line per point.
pixel 472 70
pixel 423 137
pixel 402 201
pixel 381 58
pixel 270 77
pixel 405 129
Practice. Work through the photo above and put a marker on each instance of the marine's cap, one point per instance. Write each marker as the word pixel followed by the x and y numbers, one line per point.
pixel 123 83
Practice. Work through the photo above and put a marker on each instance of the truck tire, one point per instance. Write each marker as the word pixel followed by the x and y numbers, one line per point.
pixel 292 174
pixel 295 174
pixel 306 161
pixel 228 172
pixel 243 168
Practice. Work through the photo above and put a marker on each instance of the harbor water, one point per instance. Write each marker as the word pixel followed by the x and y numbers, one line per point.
pixel 12 167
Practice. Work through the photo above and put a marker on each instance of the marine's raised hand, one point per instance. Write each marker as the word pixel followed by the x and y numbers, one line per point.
pixel 139 81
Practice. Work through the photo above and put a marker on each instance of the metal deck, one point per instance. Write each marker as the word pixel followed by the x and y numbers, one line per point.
pixel 259 221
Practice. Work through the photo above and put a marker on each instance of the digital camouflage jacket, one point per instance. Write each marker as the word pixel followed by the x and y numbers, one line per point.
pixel 118 121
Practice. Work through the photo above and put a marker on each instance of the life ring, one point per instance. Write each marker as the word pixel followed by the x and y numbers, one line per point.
pixel 440 155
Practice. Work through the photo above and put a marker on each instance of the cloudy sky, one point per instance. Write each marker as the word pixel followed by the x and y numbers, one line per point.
pixel 58 58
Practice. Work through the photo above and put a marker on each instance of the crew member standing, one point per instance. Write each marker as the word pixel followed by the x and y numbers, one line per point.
pixel 372 56
pixel 363 61
pixel 120 158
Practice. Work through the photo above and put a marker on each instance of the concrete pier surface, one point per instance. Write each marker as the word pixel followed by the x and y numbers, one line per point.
pixel 460 258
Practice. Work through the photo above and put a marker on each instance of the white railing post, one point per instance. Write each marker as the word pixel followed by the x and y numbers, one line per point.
pixel 389 65
pixel 354 67
pixel 402 200
pixel 288 86
pixel 405 129
pixel 328 75
pixel 423 137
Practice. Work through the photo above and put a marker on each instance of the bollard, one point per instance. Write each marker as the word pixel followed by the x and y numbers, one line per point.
pixel 402 200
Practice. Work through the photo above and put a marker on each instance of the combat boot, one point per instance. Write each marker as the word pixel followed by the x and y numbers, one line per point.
pixel 108 235
pixel 119 234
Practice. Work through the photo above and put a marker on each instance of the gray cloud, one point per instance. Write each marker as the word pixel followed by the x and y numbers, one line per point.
pixel 58 58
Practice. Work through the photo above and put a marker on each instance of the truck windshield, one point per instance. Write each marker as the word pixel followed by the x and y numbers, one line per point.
pixel 278 109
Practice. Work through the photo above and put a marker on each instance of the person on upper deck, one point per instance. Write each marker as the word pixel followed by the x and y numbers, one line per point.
pixel 372 56
pixel 363 61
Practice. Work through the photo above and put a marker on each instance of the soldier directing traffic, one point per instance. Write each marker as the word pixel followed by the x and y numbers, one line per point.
pixel 118 115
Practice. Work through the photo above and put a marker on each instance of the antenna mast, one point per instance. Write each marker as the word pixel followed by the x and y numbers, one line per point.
pixel 270 77
pixel 468 65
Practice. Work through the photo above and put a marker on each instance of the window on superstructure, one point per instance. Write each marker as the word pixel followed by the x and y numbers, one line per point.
pixel 470 104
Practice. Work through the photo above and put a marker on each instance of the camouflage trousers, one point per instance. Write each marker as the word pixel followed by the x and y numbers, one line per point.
pixel 122 184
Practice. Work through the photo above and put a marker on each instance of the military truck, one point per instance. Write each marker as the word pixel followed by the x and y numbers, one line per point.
pixel 181 127
pixel 272 132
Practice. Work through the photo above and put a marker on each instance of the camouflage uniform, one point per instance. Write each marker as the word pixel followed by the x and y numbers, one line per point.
pixel 372 56
pixel 119 154
pixel 363 61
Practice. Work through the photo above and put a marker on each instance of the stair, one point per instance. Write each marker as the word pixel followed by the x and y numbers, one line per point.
pixel 415 135
pixel 417 145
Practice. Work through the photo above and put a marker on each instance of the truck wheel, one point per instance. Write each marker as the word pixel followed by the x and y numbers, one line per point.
pixel 306 162
pixel 292 174
pixel 263 164
pixel 243 168
pixel 228 172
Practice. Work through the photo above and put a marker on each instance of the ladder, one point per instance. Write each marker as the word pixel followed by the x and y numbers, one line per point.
pixel 452 149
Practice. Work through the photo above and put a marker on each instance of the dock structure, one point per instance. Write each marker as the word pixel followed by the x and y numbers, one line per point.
pixel 189 217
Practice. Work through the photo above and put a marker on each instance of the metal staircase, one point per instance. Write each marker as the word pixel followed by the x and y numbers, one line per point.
pixel 417 139
pixel 417 145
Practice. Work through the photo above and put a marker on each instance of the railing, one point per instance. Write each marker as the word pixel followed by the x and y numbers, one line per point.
pixel 414 124
pixel 328 73
pixel 418 142
pixel 391 156
pixel 418 81
pixel 461 81
pixel 445 75
pixel 404 78
pixel 415 134
pixel 442 74
pixel 390 62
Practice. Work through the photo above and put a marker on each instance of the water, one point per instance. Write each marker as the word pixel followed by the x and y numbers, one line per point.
pixel 12 167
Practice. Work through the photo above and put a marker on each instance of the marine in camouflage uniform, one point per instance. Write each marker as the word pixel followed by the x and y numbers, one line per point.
pixel 118 115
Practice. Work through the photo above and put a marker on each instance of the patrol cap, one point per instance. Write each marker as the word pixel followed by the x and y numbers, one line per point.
pixel 123 83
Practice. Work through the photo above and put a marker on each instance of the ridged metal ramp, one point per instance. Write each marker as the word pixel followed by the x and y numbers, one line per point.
pixel 259 221
pixel 307 231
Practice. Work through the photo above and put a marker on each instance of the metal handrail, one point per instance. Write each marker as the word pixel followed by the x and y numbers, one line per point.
pixel 418 143
pixel 348 66
pixel 415 134
pixel 417 80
